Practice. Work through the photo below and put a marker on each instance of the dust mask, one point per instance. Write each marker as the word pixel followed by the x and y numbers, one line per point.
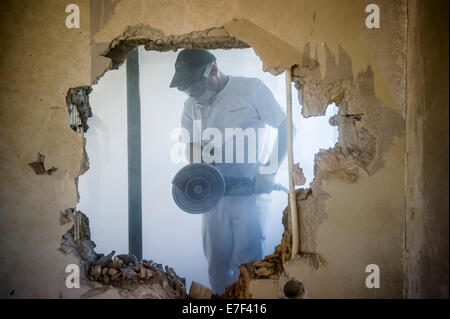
pixel 206 97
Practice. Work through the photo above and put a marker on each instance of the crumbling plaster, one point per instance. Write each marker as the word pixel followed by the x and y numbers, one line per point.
pixel 40 59
pixel 357 198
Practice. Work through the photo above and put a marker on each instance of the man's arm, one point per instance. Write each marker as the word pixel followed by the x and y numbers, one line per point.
pixel 272 114
pixel 281 140
pixel 187 123
pixel 281 145
pixel 264 182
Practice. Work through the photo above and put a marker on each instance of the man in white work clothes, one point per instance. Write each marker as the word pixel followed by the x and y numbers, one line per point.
pixel 234 231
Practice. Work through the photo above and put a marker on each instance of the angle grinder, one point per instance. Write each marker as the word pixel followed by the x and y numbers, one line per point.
pixel 198 187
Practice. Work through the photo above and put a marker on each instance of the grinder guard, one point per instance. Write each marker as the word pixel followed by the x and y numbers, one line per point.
pixel 198 188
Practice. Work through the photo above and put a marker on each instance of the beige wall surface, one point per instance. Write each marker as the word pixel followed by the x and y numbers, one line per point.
pixel 426 265
pixel 40 60
pixel 356 213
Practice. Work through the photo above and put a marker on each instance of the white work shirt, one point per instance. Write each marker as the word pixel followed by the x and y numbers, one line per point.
pixel 243 103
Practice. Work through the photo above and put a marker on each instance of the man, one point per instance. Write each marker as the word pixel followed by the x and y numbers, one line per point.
pixel 234 231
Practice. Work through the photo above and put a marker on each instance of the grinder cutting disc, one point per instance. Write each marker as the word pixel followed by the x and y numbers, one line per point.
pixel 197 188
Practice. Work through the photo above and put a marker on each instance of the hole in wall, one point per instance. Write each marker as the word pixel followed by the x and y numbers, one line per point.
pixel 293 289
pixel 163 239
pixel 100 137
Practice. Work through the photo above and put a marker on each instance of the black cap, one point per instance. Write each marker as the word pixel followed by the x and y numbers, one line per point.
pixel 187 64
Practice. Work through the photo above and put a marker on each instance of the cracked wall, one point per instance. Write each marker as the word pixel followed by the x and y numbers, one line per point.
pixel 354 214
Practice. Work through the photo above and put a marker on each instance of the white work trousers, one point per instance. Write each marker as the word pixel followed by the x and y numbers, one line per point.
pixel 234 233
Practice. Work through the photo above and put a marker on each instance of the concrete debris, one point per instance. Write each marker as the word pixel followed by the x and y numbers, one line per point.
pixel 103 261
pixel 271 267
pixel 128 273
pixel 299 177
pixel 335 163
pixel 80 229
pixel 64 216
pixel 128 258
pixel 117 270
pixel 268 269
pixel 111 271
pixel 199 291
pixel 130 277
pixel 67 244
pixel 39 167
pixel 263 271
pixel 77 102
pixel 95 272
pixel 117 263
pixel 77 241
pixel 170 271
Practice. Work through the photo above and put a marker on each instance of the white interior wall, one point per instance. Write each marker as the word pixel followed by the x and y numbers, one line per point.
pixel 170 236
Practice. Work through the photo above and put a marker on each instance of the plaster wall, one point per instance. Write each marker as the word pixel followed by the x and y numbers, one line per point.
pixel 355 215
pixel 40 60
pixel 426 258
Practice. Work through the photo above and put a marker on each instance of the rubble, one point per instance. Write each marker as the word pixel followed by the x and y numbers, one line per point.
pixel 105 260
pixel 79 108
pixel 198 291
pixel 271 267
pixel 128 259
pixel 125 272
pixel 122 273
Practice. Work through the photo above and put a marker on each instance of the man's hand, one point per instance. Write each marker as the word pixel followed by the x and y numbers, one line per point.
pixel 264 183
